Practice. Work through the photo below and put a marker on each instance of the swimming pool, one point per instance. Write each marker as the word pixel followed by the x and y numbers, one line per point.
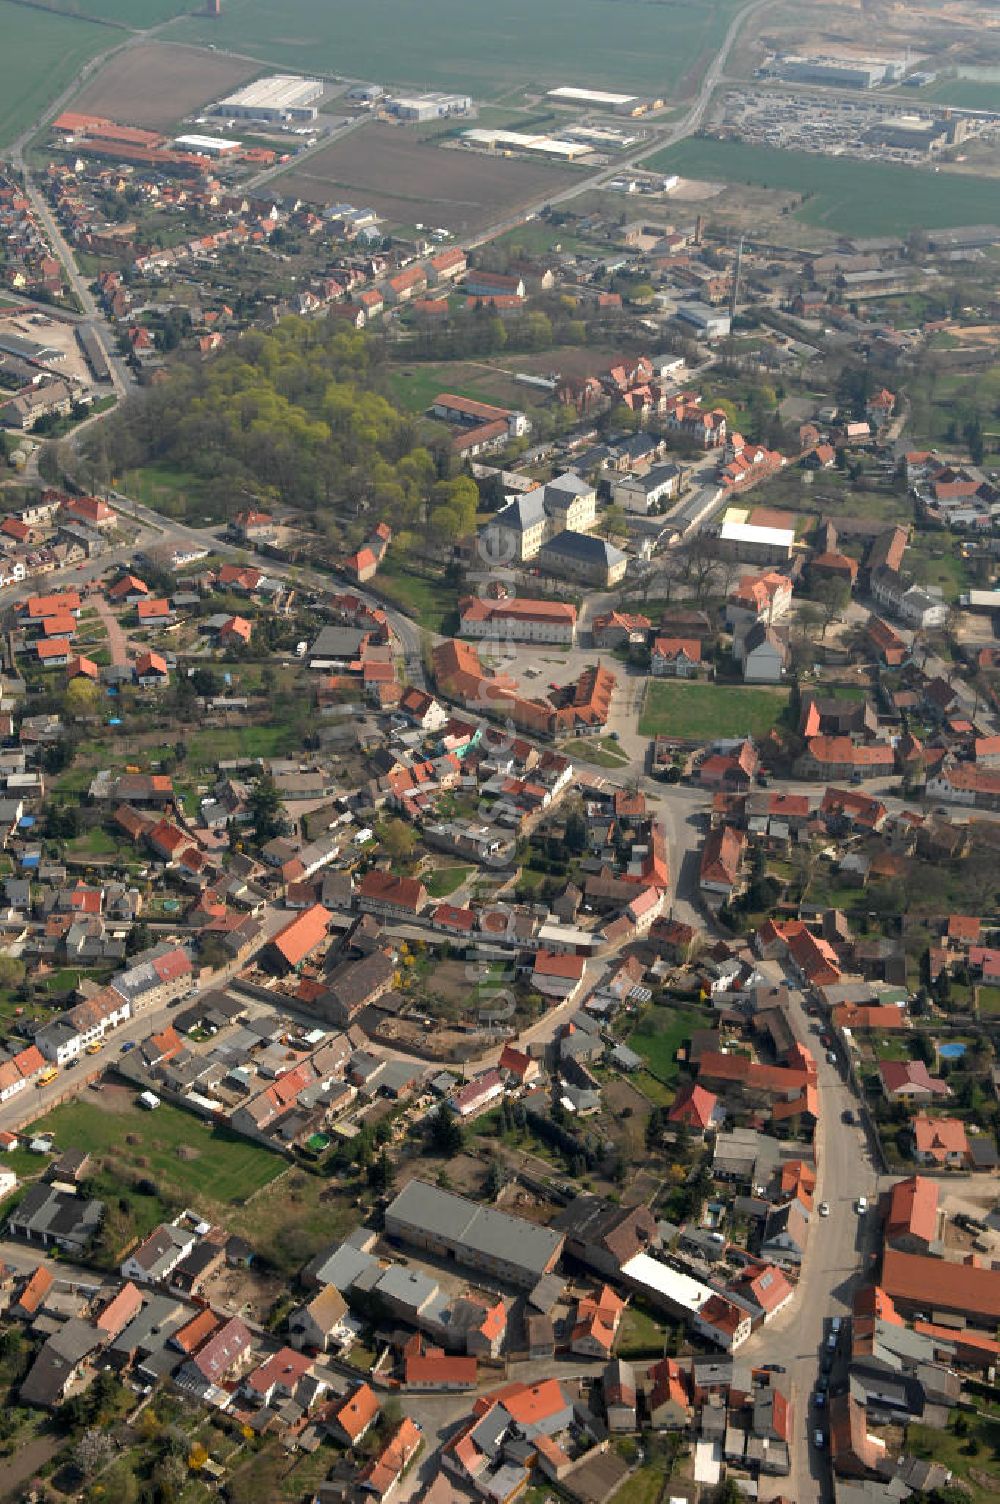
pixel 951 1051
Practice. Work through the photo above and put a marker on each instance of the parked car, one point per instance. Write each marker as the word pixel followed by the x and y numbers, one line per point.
pixel 824 1208
pixel 847 1116
pixel 862 1205
pixel 819 1440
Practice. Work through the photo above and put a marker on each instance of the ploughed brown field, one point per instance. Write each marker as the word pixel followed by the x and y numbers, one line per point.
pixel 385 168
pixel 156 84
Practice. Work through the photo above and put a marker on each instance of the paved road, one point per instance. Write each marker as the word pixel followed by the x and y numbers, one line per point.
pixel 688 124
pixel 29 1105
pixel 836 1258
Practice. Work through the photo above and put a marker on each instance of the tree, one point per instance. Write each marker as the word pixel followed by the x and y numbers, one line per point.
pixel 396 838
pixel 445 1135
pixel 12 970
pixel 204 682
pixel 381 1173
pixel 831 595
pixel 81 699
pixel 265 809
pixel 93 1450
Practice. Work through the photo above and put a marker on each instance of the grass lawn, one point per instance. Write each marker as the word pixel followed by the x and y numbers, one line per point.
pixel 601 751
pixel 839 194
pixel 67 979
pixel 41 54
pixel 445 880
pixel 414 387
pixel 978 1470
pixel 96 842
pixel 702 712
pixel 485 50
pixel 641 1333
pixel 653 1090
pixel 222 1167
pixel 176 493
pixel 227 744
pixel 657 1037
pixel 935 560
pixel 431 600
pixel 643 1487
pixel 989 1000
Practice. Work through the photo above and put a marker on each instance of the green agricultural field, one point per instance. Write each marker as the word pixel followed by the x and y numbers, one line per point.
pixel 966 93
pixel 843 195
pixel 40 55
pixel 134 14
pixel 701 712
pixel 484 49
pixel 185 1157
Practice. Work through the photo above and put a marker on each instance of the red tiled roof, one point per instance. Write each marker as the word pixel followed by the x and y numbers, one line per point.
pixel 913 1209
pixel 302 934
pixel 937 1284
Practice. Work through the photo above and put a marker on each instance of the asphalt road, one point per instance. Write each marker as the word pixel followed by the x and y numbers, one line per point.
pixel 837 1255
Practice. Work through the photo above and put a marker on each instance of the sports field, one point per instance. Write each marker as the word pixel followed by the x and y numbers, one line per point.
pixel 484 49
pixel 701 712
pixel 847 196
pixel 40 54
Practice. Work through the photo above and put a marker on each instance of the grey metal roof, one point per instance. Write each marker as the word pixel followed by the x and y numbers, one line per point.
pixel 481 1230
pixel 408 1286
pixel 344 1266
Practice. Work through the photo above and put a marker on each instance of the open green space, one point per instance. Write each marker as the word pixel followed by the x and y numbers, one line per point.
pixel 601 751
pixel 186 1159
pixel 415 387
pixel 40 55
pixel 700 712
pixel 935 560
pixel 229 743
pixel 484 49
pixel 137 14
pixel 445 880
pixel 966 93
pixel 973 1456
pixel 839 193
pixel 431 601
pixel 659 1034
pixel 173 492
pixel 641 1334
pixel 645 1485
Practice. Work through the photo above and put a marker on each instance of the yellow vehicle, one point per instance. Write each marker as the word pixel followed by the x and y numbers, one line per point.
pixel 47 1076
pixel 94 1047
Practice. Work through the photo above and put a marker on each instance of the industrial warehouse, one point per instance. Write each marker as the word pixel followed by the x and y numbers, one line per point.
pixel 279 97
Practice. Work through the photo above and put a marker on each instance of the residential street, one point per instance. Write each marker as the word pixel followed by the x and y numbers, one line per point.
pixel 838 1251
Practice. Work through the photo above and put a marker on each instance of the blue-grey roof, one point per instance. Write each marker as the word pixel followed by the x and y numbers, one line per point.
pixel 583 547
pixel 522 512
